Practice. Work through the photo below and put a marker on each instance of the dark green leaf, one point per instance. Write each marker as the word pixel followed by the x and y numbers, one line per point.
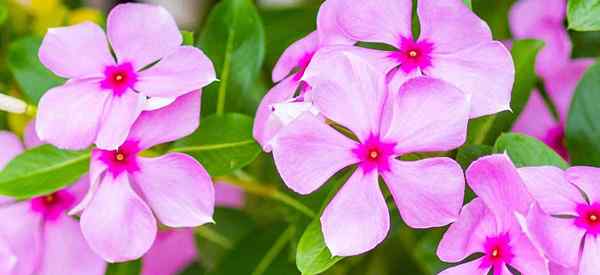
pixel 126 268
pixel 584 15
pixel 188 38
pixel 42 170
pixel 495 14
pixel 222 143
pixel 33 78
pixel 313 257
pixel 528 151
pixel 469 153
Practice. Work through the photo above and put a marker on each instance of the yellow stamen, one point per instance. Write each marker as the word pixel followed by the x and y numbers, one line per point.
pixel 120 157
pixel 495 252
pixel 593 217
pixel 412 53
pixel 373 154
pixel 119 77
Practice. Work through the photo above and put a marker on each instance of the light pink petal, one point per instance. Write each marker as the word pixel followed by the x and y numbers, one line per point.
pixel 556 269
pixel 119 115
pixel 469 268
pixel 76 51
pixel 529 16
pixel 397 78
pixel 428 193
pixel 467 235
pixel 357 219
pixel 178 189
pixel 485 72
pixel 536 119
pixel 384 21
pixel 117 224
pixel 587 179
pixel 561 84
pixel 172 251
pixel 68 116
pixel 328 28
pixel 10 146
pixel 8 260
pixel 97 168
pixel 295 55
pixel 548 185
pixel 556 52
pixel 22 229
pixel 496 181
pixel 169 123
pixel 559 238
pixel 30 137
pixel 590 259
pixel 527 259
pixel 227 195
pixel 299 152
pixel 141 33
pixel 451 26
pixel 187 69
pixel 429 115
pixel 66 251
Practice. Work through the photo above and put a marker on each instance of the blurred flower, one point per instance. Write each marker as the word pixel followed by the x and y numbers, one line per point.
pixel 85 14
pixel 489 224
pixel 103 97
pixel 12 104
pixel 348 90
pixel 117 220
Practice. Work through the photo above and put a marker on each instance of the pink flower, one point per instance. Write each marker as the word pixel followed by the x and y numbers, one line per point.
pixel 488 224
pixel 454 45
pixel 103 95
pixel 566 220
pixel 37 237
pixel 117 220
pixel 307 152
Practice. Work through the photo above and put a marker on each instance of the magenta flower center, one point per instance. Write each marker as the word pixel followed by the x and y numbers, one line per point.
pixel 302 65
pixel 497 252
pixel 119 78
pixel 555 138
pixel 589 218
pixel 413 55
pixel 374 154
pixel 54 205
pixel 122 160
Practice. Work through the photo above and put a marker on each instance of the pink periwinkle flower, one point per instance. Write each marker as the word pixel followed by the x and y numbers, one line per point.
pixel 454 45
pixel 104 95
pixel 488 224
pixel 126 189
pixel 425 115
pixel 566 219
pixel 37 237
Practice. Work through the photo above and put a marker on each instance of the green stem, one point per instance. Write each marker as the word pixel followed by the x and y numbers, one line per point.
pixel 222 96
pixel 214 237
pixel 277 247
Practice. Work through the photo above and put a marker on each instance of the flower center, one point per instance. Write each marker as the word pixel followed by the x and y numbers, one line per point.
pixel 374 154
pixel 121 160
pixel 413 55
pixel 589 218
pixel 53 205
pixel 119 78
pixel 498 251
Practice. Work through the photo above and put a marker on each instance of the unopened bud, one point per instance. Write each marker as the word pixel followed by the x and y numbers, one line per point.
pixel 12 104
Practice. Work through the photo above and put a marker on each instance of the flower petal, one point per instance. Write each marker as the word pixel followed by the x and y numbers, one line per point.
pixel 531 16
pixel 187 69
pixel 556 269
pixel 68 116
pixel 590 259
pixel 66 251
pixel 429 115
pixel 561 84
pixel 536 119
pixel 429 192
pixel 227 195
pixel 142 33
pixel 169 123
pixel 295 55
pixel 548 185
pixel 527 259
pixel 172 251
pixel 384 21
pixel 178 189
pixel 451 25
pixel 30 137
pixel 485 72
pixel 469 268
pixel 587 179
pixel 328 29
pixel 358 209
pixel 22 230
pixel 117 224
pixel 76 51
pixel 97 169
pixel 119 115
pixel 299 149
pixel 11 146
pixel 8 260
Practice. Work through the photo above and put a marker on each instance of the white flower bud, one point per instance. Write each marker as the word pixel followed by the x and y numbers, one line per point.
pixel 12 104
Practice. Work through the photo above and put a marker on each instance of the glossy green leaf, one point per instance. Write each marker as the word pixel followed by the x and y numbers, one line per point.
pixel 42 170
pixel 33 78
pixel 222 143
pixel 188 38
pixel 126 268
pixel 528 151
pixel 313 257
pixel 583 123
pixel 584 15
pixel 469 153
pixel 234 39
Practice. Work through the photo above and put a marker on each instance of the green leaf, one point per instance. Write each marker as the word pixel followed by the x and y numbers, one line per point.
pixel 584 15
pixel 3 11
pixel 468 3
pixel 469 153
pixel 495 14
pixel 42 170
pixel 188 38
pixel 234 39
pixel 33 78
pixel 313 257
pixel 528 151
pixel 222 143
pixel 126 268
pixel 583 123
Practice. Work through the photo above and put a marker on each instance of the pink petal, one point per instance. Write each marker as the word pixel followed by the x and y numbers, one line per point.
pixel 22 229
pixel 428 193
pixel 590 259
pixel 299 149
pixel 187 69
pixel 587 179
pixel 529 16
pixel 68 116
pixel 536 119
pixel 328 29
pixel 451 25
pixel 172 251
pixel 120 113
pixel 117 224
pixel 169 123
pixel 419 125
pixel 357 219
pixel 527 259
pixel 8 260
pixel 561 84
pixel 97 169
pixel 295 55
pixel 384 21
pixel 30 137
pixel 485 72
pixel 178 189
pixel 548 185
pixel 10 146
pixel 66 251
pixel 556 269
pixel 468 234
pixel 142 34
pixel 76 51
pixel 228 195
pixel 469 268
